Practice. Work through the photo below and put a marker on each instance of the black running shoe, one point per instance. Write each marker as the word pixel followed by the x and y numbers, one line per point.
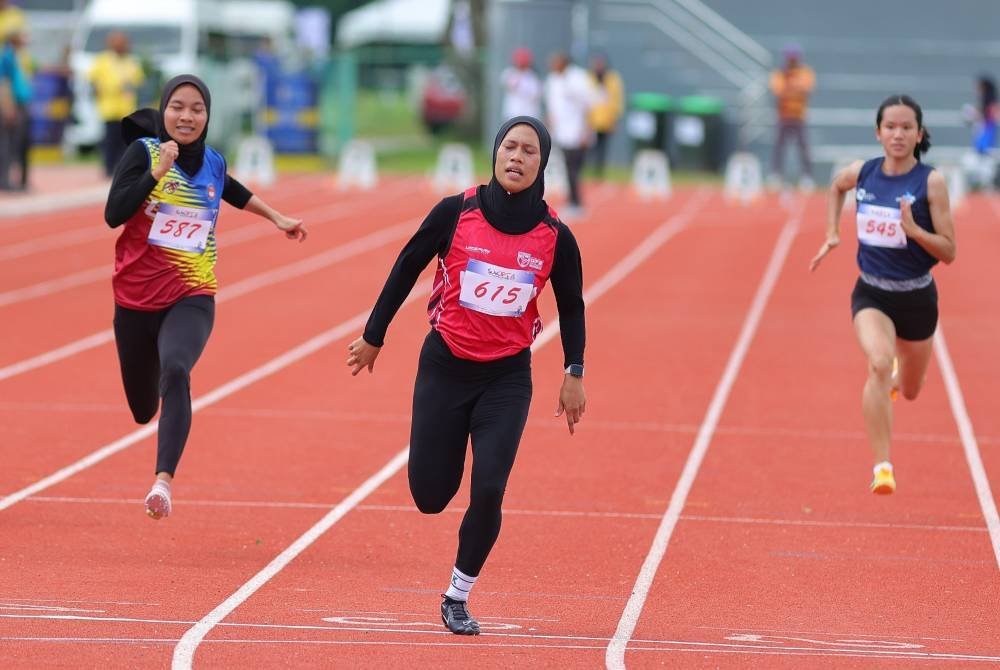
pixel 456 617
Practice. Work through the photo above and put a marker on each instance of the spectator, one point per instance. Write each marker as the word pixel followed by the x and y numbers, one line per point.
pixel 791 87
pixel 605 114
pixel 15 122
pixel 569 98
pixel 116 75
pixel 522 88
pixel 987 114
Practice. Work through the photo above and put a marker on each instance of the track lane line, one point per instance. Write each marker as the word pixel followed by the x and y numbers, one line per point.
pixel 615 655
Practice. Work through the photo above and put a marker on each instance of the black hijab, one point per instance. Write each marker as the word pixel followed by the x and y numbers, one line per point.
pixel 149 123
pixel 517 212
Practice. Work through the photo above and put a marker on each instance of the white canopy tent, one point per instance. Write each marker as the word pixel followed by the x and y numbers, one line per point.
pixel 397 21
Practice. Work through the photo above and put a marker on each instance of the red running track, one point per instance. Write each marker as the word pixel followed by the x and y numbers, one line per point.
pixel 779 551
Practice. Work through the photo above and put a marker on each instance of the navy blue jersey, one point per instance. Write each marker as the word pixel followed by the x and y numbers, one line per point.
pixel 883 249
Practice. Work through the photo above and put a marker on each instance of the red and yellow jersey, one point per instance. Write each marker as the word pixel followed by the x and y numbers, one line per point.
pixel 167 250
pixel 484 300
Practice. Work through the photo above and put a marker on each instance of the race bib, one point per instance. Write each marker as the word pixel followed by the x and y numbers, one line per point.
pixel 880 226
pixel 182 228
pixel 495 290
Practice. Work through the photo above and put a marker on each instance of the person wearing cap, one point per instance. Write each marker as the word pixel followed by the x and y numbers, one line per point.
pixel 116 76
pixel 165 196
pixel 522 88
pixel 792 86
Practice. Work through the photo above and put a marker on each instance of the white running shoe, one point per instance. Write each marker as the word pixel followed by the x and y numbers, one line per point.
pixel 158 500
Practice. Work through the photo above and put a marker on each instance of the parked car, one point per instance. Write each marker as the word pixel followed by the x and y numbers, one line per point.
pixel 443 100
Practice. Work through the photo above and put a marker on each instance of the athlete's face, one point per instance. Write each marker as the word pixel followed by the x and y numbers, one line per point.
pixel 185 115
pixel 518 159
pixel 899 131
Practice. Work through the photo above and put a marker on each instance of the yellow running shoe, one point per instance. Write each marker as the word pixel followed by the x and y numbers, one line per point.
pixel 894 392
pixel 884 482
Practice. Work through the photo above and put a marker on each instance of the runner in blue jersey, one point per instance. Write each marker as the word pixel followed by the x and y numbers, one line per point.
pixel 904 228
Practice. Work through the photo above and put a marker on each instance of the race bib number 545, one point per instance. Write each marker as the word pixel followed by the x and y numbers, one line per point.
pixel 182 228
pixel 496 290
pixel 880 226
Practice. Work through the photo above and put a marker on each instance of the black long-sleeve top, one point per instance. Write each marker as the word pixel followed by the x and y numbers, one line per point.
pixel 133 182
pixel 432 239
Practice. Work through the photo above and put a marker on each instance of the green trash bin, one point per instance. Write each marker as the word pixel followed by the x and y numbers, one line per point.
pixel 648 121
pixel 698 131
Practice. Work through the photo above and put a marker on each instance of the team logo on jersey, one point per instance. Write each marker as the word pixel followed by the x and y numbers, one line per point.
pixel 211 191
pixel 526 260
pixel 862 195
pixel 170 187
pixel 908 197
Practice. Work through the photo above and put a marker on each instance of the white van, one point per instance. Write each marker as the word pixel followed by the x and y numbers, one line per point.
pixel 197 36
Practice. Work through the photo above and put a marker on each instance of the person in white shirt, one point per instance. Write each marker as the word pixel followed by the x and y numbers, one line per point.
pixel 569 96
pixel 522 88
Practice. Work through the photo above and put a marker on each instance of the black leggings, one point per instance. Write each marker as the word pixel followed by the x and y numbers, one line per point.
pixel 157 351
pixel 454 398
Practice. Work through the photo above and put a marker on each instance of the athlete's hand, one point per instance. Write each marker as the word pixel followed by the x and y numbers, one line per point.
pixel 828 246
pixel 292 228
pixel 168 154
pixel 361 355
pixel 908 223
pixel 572 401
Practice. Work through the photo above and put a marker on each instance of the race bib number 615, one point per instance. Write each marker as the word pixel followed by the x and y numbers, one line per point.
pixel 182 228
pixel 496 290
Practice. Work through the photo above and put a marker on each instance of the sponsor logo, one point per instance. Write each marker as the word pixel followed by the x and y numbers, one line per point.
pixel 478 250
pixel 500 273
pixel 211 191
pixel 170 186
pixel 526 260
pixel 908 197
pixel 862 195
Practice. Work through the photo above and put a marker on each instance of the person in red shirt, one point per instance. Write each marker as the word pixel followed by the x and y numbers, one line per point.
pixel 165 195
pixel 497 245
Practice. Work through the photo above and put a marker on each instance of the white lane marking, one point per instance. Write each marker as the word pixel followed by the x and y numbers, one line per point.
pixel 969 445
pixel 184 652
pixel 45 203
pixel 273 366
pixel 615 656
pixel 292 270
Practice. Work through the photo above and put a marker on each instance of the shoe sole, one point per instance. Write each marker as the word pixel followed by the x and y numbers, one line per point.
pixel 157 506
pixel 884 489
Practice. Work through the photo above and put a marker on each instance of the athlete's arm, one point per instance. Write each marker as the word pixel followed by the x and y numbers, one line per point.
pixel 132 183
pixel 842 182
pixel 292 228
pixel 567 285
pixel 941 243
pixel 430 240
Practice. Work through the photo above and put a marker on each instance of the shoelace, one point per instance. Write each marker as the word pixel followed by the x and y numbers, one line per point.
pixel 458 610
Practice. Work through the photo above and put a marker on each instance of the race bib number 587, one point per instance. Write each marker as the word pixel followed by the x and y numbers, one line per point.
pixel 182 228
pixel 496 290
pixel 880 226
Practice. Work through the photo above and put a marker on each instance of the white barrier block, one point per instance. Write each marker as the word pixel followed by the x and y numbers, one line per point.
pixel 356 166
pixel 255 161
pixel 651 174
pixel 556 181
pixel 958 185
pixel 454 170
pixel 744 177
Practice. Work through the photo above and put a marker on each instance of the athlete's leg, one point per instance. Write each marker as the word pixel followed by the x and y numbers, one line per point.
pixel 135 339
pixel 877 337
pixel 914 358
pixel 439 431
pixel 182 338
pixel 497 424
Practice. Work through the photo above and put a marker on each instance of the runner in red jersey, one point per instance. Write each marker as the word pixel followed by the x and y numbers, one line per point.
pixel 497 246
pixel 166 192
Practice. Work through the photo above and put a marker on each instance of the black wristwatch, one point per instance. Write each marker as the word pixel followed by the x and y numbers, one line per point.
pixel 575 370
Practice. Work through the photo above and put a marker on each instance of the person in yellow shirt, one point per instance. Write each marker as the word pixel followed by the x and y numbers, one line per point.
pixel 116 76
pixel 11 19
pixel 605 114
pixel 791 87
